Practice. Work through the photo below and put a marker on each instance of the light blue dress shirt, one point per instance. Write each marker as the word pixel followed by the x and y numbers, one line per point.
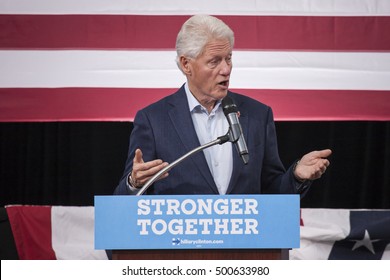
pixel 209 127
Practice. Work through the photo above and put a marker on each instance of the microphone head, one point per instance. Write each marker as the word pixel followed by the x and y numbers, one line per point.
pixel 228 106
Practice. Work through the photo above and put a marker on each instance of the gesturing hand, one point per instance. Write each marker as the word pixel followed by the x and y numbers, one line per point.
pixel 143 171
pixel 312 165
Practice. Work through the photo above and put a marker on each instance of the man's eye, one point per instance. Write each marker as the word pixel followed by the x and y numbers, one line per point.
pixel 213 63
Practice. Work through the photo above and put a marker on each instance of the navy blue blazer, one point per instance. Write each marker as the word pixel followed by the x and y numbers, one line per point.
pixel 164 130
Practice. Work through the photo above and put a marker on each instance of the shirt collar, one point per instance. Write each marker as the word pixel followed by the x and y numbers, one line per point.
pixel 193 103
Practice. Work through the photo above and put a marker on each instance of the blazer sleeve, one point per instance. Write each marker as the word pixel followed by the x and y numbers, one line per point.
pixel 141 137
pixel 275 178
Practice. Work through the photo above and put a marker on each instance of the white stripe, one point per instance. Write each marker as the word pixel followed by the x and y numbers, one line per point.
pixel 73 233
pixel 322 227
pixel 157 69
pixel 386 253
pixel 189 7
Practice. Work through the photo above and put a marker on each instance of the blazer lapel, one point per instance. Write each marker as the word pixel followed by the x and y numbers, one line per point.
pixel 182 121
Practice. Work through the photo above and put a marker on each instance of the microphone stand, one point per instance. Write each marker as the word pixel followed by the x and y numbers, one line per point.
pixel 220 140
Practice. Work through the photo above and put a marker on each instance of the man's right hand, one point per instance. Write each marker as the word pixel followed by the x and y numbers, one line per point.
pixel 143 171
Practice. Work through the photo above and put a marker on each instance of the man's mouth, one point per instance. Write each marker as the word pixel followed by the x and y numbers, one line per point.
pixel 224 83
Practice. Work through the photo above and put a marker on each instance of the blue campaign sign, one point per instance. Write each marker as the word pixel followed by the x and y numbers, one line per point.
pixel 197 221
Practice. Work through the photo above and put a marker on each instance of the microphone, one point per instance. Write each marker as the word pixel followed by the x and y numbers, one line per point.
pixel 236 136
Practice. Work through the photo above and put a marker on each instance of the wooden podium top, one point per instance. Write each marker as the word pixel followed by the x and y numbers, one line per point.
pixel 202 254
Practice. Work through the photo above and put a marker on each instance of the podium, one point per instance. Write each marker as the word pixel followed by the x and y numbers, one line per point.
pixel 197 227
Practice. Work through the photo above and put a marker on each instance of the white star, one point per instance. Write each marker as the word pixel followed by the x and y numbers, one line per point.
pixel 366 242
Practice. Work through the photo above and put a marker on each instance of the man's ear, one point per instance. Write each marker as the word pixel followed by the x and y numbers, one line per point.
pixel 185 65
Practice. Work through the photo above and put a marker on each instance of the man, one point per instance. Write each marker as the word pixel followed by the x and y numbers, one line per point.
pixel 193 116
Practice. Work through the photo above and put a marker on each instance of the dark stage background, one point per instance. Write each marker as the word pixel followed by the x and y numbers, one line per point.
pixel 67 163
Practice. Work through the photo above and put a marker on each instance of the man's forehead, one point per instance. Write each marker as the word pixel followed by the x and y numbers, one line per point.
pixel 217 47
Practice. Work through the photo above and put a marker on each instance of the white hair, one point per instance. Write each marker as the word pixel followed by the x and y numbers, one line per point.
pixel 196 32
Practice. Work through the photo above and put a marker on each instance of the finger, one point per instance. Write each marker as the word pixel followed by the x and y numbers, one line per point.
pixel 153 170
pixel 326 163
pixel 144 176
pixel 318 174
pixel 324 153
pixel 151 165
pixel 138 156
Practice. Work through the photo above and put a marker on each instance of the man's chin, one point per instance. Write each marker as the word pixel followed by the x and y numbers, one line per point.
pixel 222 93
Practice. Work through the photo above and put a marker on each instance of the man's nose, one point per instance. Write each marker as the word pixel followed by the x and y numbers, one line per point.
pixel 226 68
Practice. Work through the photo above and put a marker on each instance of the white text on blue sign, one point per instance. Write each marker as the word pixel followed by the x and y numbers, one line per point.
pixel 213 216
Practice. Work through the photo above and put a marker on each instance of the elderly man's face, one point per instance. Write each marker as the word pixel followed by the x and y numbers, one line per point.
pixel 208 75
